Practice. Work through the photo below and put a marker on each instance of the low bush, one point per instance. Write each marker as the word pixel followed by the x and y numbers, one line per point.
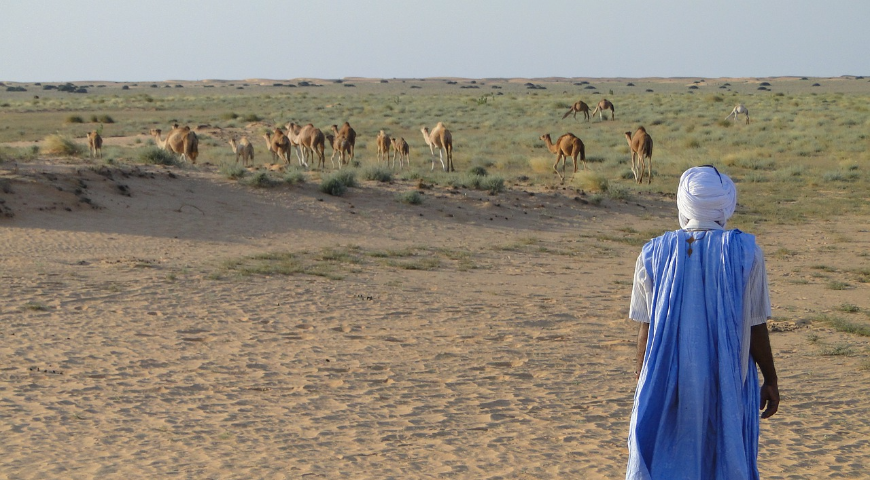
pixel 60 145
pixel 412 197
pixel 74 119
pixel 156 156
pixel 261 180
pixel 379 173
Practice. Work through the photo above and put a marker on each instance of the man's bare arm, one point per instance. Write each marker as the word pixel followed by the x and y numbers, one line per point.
pixel 642 335
pixel 759 347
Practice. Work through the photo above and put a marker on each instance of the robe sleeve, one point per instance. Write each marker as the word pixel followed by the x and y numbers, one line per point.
pixel 641 293
pixel 756 309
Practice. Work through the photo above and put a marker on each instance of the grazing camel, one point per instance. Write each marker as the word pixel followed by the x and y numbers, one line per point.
pixel 243 149
pixel 602 106
pixel 95 144
pixel 579 106
pixel 739 110
pixel 179 140
pixel 341 146
pixel 641 145
pixel 280 144
pixel 402 151
pixel 384 145
pixel 348 133
pixel 568 145
pixel 440 137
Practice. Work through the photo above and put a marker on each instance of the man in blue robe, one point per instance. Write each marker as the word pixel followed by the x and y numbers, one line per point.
pixel 701 296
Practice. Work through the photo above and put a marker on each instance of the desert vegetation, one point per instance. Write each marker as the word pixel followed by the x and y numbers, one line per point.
pixel 799 159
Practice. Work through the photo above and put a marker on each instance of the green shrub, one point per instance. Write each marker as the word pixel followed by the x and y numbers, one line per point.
pixel 412 197
pixel 338 182
pixel 261 180
pixel 229 116
pixel 74 119
pixel 251 117
pixel 379 173
pixel 60 145
pixel 294 176
pixel 493 184
pixel 477 170
pixel 156 156
pixel 232 170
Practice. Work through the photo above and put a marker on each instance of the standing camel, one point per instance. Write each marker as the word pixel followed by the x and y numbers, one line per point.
pixel 566 146
pixel 402 151
pixel 579 106
pixel 641 145
pixel 440 137
pixel 280 144
pixel 602 106
pixel 243 149
pixel 311 139
pixel 293 131
pixel 738 110
pixel 268 137
pixel 95 144
pixel 340 145
pixel 384 145
pixel 179 140
pixel 348 133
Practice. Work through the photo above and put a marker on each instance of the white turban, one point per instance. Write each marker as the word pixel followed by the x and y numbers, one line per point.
pixel 705 198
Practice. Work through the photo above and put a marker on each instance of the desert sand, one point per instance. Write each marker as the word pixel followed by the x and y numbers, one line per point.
pixel 130 348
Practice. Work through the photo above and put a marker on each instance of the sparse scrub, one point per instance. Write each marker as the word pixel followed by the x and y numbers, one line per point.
pixel 232 170
pixel 60 145
pixel 156 156
pixel 337 183
pixel 74 119
pixel 294 176
pixel 412 197
pixel 378 173
pixel 261 180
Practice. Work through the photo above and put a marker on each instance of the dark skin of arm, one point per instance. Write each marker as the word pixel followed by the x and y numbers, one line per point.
pixel 759 348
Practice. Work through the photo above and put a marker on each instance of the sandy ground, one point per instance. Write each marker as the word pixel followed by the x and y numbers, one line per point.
pixel 128 349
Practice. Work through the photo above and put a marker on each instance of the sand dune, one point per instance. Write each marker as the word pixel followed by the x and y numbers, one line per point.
pixel 468 337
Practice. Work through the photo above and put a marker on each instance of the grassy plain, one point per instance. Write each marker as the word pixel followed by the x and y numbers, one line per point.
pixel 803 156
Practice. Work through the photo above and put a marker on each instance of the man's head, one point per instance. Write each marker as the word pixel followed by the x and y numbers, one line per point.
pixel 705 197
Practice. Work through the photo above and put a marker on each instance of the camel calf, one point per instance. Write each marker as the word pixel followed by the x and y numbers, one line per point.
pixel 95 144
pixel 243 149
pixel 402 151
pixel 641 145
pixel 384 144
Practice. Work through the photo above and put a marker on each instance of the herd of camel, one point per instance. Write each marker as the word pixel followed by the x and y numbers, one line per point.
pixel 310 144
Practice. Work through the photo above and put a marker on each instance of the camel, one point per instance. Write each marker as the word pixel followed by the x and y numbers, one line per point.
pixel 341 146
pixel 384 147
pixel 440 137
pixel 293 131
pixel 568 145
pixel 268 137
pixel 311 139
pixel 739 110
pixel 402 151
pixel 602 106
pixel 280 145
pixel 179 140
pixel 348 133
pixel 95 144
pixel 243 149
pixel 579 106
pixel 641 145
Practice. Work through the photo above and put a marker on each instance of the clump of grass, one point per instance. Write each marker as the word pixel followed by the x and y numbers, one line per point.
pixel 74 119
pixel 836 350
pixel 591 181
pixel 229 116
pixel 840 176
pixel 251 117
pixel 232 170
pixel 60 145
pixel 379 173
pixel 156 156
pixel 337 183
pixel 102 119
pixel 261 180
pixel 412 197
pixel 618 192
pixel 36 306
pixel 837 285
pixel 848 308
pixel 294 176
pixel 845 326
pixel 478 170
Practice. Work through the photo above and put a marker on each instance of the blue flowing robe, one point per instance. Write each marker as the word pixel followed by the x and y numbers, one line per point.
pixel 695 412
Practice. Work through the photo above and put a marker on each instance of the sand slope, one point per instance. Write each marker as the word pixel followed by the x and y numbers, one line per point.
pixel 469 337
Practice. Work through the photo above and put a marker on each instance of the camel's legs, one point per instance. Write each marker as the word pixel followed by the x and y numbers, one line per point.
pixel 441 158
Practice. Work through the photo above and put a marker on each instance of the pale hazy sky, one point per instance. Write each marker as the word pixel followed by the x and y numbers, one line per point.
pixel 138 40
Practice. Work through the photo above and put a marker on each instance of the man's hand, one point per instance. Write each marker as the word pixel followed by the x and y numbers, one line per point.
pixel 769 399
